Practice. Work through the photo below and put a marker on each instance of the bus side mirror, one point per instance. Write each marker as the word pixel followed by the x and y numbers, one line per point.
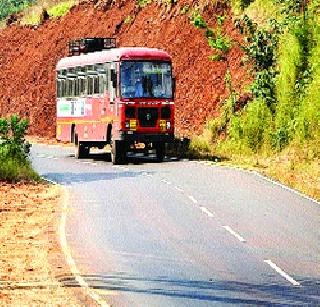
pixel 113 85
pixel 112 92
pixel 174 84
pixel 114 78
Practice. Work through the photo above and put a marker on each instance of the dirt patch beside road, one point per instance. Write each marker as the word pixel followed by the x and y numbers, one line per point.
pixel 31 262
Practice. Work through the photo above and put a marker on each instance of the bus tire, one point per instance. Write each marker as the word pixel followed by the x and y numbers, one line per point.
pixel 81 151
pixel 118 153
pixel 160 151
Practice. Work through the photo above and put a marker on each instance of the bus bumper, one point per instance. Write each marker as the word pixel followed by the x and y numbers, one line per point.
pixel 131 137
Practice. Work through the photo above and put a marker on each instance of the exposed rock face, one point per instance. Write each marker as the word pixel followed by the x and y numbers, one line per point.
pixel 28 57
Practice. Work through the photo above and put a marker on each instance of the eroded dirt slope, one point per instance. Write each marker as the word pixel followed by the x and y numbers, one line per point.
pixel 28 57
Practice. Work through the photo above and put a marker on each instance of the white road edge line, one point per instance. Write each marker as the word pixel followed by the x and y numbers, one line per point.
pixel 50 181
pixel 282 273
pixel 206 211
pixel 286 187
pixel 192 199
pixel 235 234
pixel 69 259
pixel 269 180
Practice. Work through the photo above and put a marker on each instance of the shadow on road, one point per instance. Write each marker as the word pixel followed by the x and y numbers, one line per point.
pixel 231 292
pixel 69 178
pixel 130 159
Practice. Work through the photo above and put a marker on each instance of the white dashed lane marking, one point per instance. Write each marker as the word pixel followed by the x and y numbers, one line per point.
pixel 192 199
pixel 235 234
pixel 206 211
pixel 282 273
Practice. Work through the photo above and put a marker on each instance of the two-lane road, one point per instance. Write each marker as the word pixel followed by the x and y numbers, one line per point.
pixel 186 233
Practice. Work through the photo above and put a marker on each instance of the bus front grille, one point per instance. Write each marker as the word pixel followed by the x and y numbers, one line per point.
pixel 148 117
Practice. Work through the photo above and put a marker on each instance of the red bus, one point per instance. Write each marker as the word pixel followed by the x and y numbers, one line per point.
pixel 118 96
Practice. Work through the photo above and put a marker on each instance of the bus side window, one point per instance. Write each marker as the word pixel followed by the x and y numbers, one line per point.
pixel 82 87
pixel 89 85
pixel 81 80
pixel 68 85
pixel 58 88
pixel 60 83
pixel 63 87
pixel 95 84
pixel 101 84
pixel 76 85
pixel 107 77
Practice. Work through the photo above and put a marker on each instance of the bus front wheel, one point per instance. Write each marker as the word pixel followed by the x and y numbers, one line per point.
pixel 118 153
pixel 81 150
pixel 160 151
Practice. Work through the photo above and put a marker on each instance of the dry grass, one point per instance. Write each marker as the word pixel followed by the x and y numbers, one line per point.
pixel 297 167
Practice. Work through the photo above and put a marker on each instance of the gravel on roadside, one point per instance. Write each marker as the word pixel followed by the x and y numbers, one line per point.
pixel 32 266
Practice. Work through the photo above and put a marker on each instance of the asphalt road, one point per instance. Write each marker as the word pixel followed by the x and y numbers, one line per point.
pixel 184 233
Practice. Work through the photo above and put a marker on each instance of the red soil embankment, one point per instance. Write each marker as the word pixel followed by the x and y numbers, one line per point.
pixel 28 57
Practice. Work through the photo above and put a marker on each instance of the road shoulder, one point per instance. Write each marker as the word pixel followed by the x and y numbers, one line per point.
pixel 32 266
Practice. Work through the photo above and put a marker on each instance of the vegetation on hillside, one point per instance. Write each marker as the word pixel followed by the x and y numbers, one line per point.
pixel 8 7
pixel 283 119
pixel 14 161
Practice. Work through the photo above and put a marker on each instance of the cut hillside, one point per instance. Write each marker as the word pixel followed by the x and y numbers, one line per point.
pixel 28 57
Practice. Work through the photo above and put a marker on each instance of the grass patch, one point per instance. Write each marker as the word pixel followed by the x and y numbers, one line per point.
pixel 61 8
pixel 13 170
pixel 14 151
pixel 55 9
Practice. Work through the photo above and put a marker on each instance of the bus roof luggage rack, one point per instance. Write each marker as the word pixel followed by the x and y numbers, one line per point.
pixel 87 45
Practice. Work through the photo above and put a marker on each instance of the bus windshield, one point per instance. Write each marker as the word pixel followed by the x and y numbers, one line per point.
pixel 146 79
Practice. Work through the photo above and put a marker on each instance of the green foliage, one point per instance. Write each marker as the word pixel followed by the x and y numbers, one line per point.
pixel 216 39
pixel 253 127
pixel 8 7
pixel 261 48
pixel 128 20
pixel 307 123
pixel 199 146
pixel 14 162
pixel 289 61
pixel 61 8
pixel 197 20
pixel 143 3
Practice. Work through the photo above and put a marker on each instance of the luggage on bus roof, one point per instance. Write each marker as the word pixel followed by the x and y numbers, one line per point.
pixel 87 45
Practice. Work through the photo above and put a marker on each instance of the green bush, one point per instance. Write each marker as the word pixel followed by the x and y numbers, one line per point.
pixel 253 128
pixel 289 60
pixel 197 20
pixel 14 151
pixel 8 7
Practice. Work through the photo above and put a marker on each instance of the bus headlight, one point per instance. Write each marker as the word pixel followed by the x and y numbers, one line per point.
pixel 133 124
pixel 168 125
pixel 127 125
